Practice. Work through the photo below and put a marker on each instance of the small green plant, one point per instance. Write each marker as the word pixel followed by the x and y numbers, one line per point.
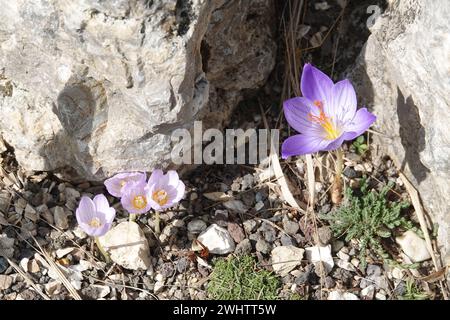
pixel 238 278
pixel 360 146
pixel 369 218
pixel 413 292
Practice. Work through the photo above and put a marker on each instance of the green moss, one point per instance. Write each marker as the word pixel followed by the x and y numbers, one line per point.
pixel 238 278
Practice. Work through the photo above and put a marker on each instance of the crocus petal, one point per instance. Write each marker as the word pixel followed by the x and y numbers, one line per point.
pixel 296 111
pixel 155 177
pixel 173 178
pixel 342 106
pixel 180 191
pixel 301 144
pixel 360 123
pixel 315 84
pixel 113 186
pixel 334 144
pixel 101 203
pixel 85 211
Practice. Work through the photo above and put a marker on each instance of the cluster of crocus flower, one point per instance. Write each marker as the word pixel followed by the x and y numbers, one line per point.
pixel 137 196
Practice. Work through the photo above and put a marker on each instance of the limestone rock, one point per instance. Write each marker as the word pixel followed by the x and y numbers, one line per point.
pixel 127 246
pixel 216 239
pixel 402 76
pixel 286 258
pixel 75 77
pixel 319 255
pixel 413 246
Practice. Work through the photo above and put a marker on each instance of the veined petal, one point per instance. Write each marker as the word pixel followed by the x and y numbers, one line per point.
pixel 361 122
pixel 173 178
pixel 315 84
pixel 155 177
pixel 342 106
pixel 296 111
pixel 86 210
pixel 336 143
pixel 302 144
pixel 101 203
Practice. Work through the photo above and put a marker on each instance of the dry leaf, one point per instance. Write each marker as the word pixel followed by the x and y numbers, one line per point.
pixel 217 196
pixel 435 276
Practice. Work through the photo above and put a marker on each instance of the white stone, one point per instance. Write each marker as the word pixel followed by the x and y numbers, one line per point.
pixel 320 254
pixel 216 239
pixel 398 273
pixel 380 296
pixel 343 256
pixel 52 287
pixel 286 258
pixel 413 246
pixel 159 286
pixel 196 226
pixel 127 246
pixel 345 265
pixel 368 292
pixel 60 253
pixel 339 295
pixel 79 233
pixel 102 291
pixel 24 264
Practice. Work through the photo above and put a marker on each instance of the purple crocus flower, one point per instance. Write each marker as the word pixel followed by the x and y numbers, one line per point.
pixel 166 189
pixel 136 197
pixel 325 116
pixel 95 217
pixel 116 184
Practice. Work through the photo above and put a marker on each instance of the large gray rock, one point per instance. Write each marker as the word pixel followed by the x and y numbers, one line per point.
pixel 98 86
pixel 403 75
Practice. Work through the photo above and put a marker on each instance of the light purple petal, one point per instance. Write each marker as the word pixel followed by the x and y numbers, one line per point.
pixel 85 211
pixel 173 178
pixel 155 177
pixel 116 184
pixel 342 106
pixel 296 111
pixel 360 123
pixel 301 144
pixel 101 203
pixel 113 186
pixel 315 84
pixel 334 144
pixel 180 191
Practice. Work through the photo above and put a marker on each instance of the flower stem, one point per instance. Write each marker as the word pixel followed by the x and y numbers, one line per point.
pixel 157 220
pixel 339 162
pixel 336 190
pixel 133 217
pixel 102 250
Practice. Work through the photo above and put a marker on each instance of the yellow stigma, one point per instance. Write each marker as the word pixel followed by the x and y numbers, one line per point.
pixel 324 121
pixel 95 223
pixel 160 197
pixel 139 202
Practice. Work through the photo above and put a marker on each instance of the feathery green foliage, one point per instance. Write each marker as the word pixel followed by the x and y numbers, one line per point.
pixel 369 218
pixel 413 292
pixel 239 279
